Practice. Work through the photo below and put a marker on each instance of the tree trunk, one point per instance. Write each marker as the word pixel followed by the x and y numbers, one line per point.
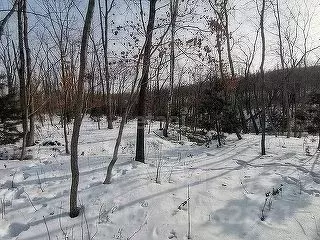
pixel 116 148
pixel 286 111
pixel 235 103
pixel 74 210
pixel 104 34
pixel 255 126
pixel 158 93
pixel 227 34
pixel 124 120
pixel 218 133
pixel 174 11
pixel 30 135
pixel 144 84
pixel 22 78
pixel 263 115
pixel 31 121
pixel 249 111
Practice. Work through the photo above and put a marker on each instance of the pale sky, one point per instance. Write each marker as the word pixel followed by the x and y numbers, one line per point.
pixel 244 21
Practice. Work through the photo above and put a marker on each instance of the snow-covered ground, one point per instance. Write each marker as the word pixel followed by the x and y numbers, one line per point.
pixel 227 185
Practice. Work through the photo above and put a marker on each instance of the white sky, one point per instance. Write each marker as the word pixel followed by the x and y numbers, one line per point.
pixel 244 21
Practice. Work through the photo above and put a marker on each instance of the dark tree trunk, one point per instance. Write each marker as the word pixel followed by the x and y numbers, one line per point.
pixel 144 84
pixel 22 78
pixel 74 210
pixel 218 133
pixel 263 115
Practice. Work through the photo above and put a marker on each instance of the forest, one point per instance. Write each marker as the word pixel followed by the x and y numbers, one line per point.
pixel 147 87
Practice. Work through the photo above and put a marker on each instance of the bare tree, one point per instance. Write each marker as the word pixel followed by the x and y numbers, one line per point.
pixel 104 34
pixel 30 102
pixel 74 210
pixel 144 84
pixel 131 101
pixel 22 78
pixel 174 11
pixel 262 77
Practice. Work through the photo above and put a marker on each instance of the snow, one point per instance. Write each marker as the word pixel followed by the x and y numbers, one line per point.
pixel 227 188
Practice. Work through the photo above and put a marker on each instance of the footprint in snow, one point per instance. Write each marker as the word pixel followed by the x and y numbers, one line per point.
pixel 26 175
pixel 144 204
pixel 172 235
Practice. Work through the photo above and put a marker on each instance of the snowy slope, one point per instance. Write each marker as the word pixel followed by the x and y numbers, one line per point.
pixel 227 189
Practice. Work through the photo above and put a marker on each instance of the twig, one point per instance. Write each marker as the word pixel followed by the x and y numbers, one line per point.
pixel 138 230
pixel 183 204
pixel 45 223
pixel 86 221
pixel 30 201
pixel 96 232
pixel 100 212
pixel 262 211
pixel 39 181
pixel 189 216
pixel 81 225
pixel 158 178
pixel 60 224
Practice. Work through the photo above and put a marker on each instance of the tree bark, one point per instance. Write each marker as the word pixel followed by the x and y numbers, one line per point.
pixel 30 134
pixel 65 97
pixel 74 210
pixel 104 32
pixel 116 148
pixel 218 133
pixel 22 79
pixel 262 78
pixel 144 84
pixel 174 11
